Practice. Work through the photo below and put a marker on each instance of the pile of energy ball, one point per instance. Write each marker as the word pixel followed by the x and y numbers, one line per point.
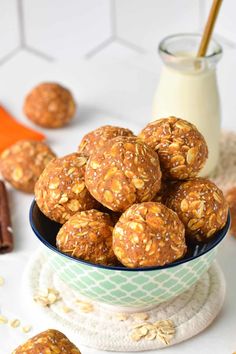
pixel 121 199
pixel 132 199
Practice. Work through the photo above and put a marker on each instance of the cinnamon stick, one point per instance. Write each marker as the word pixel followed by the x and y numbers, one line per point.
pixel 6 237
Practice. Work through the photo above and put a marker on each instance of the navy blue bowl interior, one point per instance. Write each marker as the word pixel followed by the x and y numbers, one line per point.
pixel 46 230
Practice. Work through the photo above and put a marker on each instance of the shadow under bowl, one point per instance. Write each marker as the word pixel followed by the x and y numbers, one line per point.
pixel 129 289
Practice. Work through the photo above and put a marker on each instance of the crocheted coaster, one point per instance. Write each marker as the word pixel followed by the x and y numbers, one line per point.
pixel 225 174
pixel 98 327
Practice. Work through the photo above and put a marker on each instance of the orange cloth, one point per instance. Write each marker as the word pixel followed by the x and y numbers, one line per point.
pixel 11 131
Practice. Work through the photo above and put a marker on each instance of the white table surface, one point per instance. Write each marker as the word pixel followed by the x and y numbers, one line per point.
pixel 108 93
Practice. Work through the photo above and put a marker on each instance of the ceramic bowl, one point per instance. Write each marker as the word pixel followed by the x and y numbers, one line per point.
pixel 129 289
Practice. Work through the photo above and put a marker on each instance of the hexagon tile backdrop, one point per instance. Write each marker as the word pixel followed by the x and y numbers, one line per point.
pixel 62 30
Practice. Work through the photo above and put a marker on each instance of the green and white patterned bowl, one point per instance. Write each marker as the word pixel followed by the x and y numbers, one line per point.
pixel 126 289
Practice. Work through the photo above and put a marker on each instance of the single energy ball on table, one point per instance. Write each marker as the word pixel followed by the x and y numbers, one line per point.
pixel 48 342
pixel 50 105
pixel 22 163
pixel 148 234
pixel 181 148
pixel 60 190
pixel 96 139
pixel 201 207
pixel 125 171
pixel 87 235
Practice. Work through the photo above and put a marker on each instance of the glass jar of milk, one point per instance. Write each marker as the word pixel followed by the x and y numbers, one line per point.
pixel 188 89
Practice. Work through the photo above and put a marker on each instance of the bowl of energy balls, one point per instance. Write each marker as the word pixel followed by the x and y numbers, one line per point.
pixel 126 220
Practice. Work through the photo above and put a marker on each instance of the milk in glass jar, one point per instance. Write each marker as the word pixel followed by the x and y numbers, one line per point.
pixel 188 89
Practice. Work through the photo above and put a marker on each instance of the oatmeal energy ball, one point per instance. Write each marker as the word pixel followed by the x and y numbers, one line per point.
pixel 48 342
pixel 123 172
pixel 87 235
pixel 60 191
pixel 50 105
pixel 201 207
pixel 22 163
pixel 148 234
pixel 182 150
pixel 96 139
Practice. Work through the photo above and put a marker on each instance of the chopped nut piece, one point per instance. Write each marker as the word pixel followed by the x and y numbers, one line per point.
pixel 14 323
pixel 66 309
pixel 143 331
pixel 47 297
pixel 139 325
pixel 3 319
pixel 26 329
pixel 17 174
pixel 121 316
pixel 140 316
pixel 136 336
pixel 138 183
pixel 85 307
pixel 52 298
pixel 1 281
pixel 41 301
pixel 151 335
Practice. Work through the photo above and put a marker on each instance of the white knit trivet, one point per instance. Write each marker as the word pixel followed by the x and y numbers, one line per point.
pixel 191 312
pixel 225 174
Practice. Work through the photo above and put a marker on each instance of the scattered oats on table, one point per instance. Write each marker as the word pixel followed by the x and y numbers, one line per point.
pixel 66 309
pixel 3 319
pixel 47 297
pixel 140 316
pixel 85 306
pixel 2 281
pixel 14 323
pixel 26 329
